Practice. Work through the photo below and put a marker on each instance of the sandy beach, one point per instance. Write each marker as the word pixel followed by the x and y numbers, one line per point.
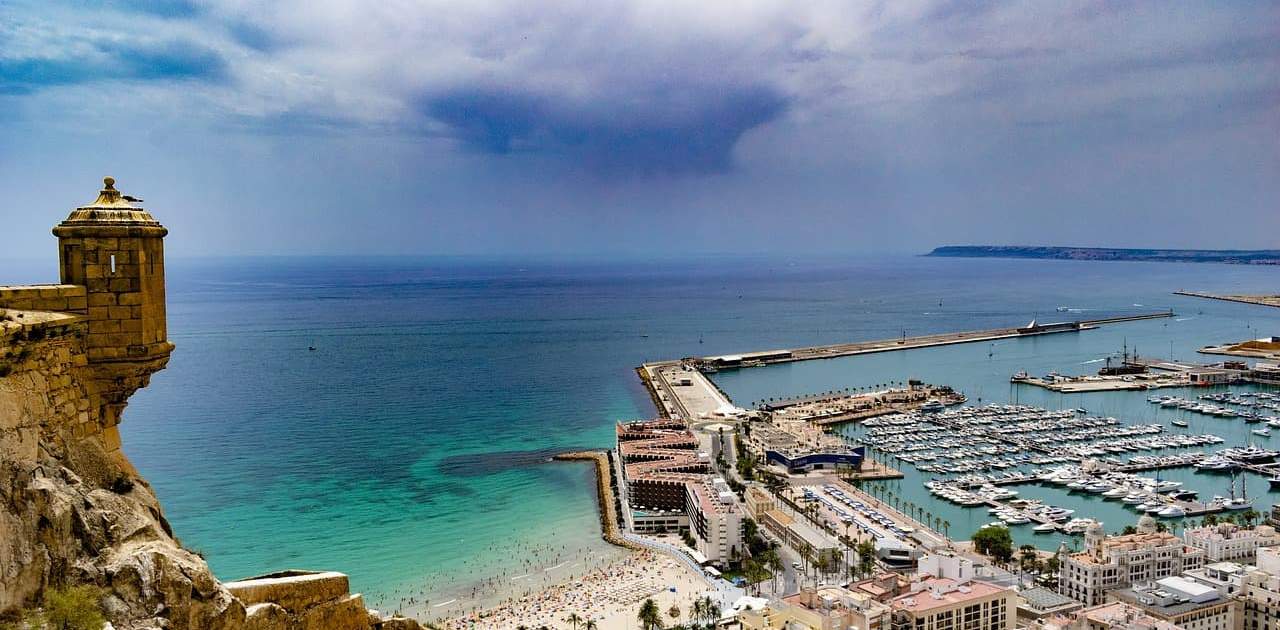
pixel 610 595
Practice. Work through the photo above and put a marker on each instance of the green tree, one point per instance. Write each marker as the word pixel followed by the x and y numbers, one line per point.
pixel 574 619
pixel 866 557
pixel 995 542
pixel 1250 515
pixel 649 616
pixel 1028 559
pixel 773 562
pixel 755 574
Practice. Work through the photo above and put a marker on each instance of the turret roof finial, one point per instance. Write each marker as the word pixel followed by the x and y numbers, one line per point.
pixel 109 196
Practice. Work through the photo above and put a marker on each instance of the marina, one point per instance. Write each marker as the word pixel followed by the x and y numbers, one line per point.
pixel 964 451
pixel 1012 444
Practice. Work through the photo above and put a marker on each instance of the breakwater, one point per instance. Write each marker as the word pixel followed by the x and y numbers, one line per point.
pixel 904 342
pixel 1257 300
pixel 609 530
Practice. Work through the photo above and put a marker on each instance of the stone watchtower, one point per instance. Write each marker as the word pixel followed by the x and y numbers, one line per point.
pixel 116 251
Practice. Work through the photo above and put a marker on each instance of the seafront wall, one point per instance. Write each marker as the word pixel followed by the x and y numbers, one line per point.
pixel 1256 300
pixel 604 491
pixel 653 391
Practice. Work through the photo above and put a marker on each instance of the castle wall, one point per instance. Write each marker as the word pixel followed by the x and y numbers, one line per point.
pixel 42 382
pixel 70 298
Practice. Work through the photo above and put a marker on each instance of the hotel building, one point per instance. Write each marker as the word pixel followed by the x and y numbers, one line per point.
pixel 1230 542
pixel 715 520
pixel 1260 592
pixel 1182 602
pixel 1115 562
pixel 948 604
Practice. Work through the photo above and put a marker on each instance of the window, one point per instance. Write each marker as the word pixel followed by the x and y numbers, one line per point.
pixel 113 263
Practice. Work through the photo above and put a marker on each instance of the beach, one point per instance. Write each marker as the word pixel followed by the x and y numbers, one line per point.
pixel 610 594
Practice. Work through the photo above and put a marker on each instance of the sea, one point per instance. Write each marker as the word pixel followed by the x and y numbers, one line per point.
pixel 394 418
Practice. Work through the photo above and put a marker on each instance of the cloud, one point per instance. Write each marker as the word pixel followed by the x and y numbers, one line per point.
pixel 657 88
pixel 668 130
pixel 160 8
pixel 108 60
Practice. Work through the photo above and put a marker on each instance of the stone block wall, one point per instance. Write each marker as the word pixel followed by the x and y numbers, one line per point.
pixel 42 382
pixel 123 274
pixel 70 298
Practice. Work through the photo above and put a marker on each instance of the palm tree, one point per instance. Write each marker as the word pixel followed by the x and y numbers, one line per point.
pixel 755 574
pixel 698 610
pixel 590 625
pixel 946 529
pixel 574 619
pixel 773 562
pixel 711 610
pixel 649 616
pixel 866 557
pixel 673 612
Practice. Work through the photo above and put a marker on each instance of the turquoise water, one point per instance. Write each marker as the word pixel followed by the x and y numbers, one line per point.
pixel 409 449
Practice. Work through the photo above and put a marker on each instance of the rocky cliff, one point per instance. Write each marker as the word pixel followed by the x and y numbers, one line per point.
pixel 74 511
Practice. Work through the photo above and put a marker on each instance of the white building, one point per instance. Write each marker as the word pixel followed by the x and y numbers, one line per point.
pixel 1260 592
pixel 715 520
pixel 947 604
pixel 1225 577
pixel 1115 562
pixel 1182 602
pixel 1227 541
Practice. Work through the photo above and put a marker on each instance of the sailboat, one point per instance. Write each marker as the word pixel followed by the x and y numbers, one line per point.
pixel 1238 503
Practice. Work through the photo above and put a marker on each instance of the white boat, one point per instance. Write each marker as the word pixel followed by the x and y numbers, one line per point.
pixel 1115 493
pixel 1044 528
pixel 1133 499
pixel 1172 511
pixel 1078 525
pixel 1237 504
pixel 1264 432
pixel 1179 423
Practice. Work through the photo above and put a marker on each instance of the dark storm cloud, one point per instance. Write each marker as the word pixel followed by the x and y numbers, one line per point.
pixel 114 60
pixel 492 125
pixel 672 131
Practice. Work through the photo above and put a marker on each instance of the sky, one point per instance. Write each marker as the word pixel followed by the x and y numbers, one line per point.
pixel 645 128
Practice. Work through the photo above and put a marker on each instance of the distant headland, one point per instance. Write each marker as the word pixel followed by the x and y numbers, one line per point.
pixel 1228 256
